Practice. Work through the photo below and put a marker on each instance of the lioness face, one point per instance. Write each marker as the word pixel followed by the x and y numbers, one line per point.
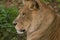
pixel 26 16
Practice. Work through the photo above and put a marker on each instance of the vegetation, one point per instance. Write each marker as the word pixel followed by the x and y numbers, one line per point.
pixel 7 15
pixel 7 30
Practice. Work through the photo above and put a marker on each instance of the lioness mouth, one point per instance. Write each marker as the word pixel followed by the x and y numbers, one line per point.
pixel 20 32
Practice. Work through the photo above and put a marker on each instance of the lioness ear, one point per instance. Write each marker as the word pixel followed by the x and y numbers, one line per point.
pixel 41 4
pixel 37 5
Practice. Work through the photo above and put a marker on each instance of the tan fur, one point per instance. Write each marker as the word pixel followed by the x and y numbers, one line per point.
pixel 40 24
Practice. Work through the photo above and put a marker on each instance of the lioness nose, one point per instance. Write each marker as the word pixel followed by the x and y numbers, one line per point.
pixel 14 23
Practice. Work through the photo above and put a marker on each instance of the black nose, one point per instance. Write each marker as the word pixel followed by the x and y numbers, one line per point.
pixel 14 23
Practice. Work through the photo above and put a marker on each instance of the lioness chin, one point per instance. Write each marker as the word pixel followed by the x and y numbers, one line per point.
pixel 38 20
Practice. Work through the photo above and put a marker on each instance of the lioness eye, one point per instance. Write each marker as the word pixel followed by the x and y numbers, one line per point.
pixel 23 14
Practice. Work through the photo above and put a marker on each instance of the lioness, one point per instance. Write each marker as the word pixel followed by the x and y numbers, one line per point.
pixel 38 20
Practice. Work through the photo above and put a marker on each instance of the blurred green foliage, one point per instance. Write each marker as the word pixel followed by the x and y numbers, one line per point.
pixel 7 30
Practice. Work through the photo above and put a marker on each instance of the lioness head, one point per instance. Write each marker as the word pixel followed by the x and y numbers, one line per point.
pixel 29 16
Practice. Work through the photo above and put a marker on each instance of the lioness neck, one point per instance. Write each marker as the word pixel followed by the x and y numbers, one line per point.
pixel 45 29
